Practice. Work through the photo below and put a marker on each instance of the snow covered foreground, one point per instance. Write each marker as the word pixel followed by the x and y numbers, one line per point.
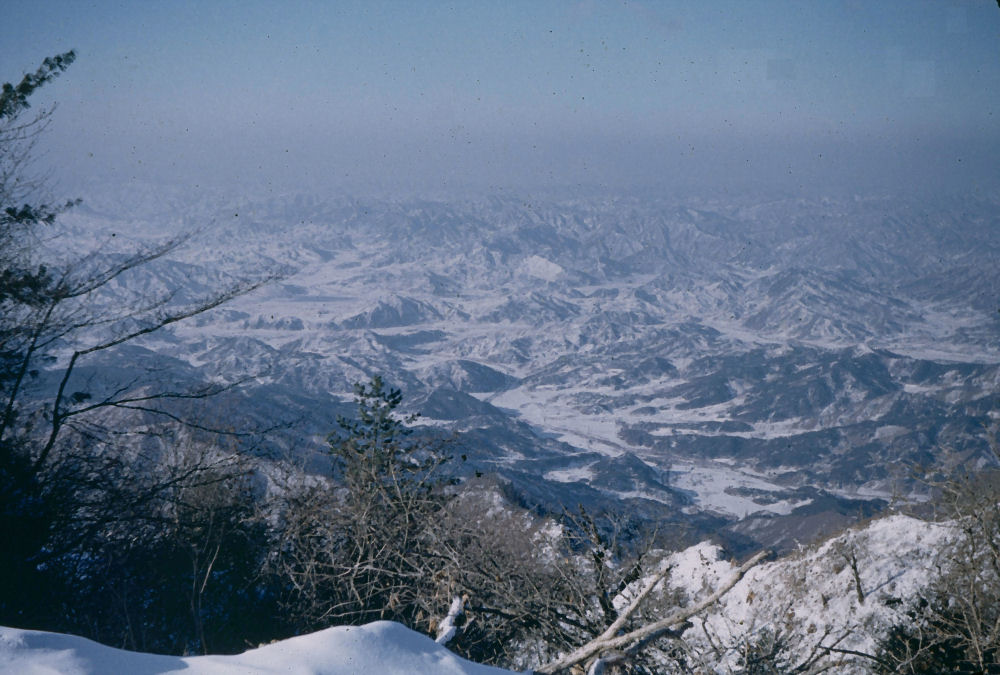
pixel 380 648
pixel 810 598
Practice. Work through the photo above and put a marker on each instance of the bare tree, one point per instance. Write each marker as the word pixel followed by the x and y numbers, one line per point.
pixel 388 536
pixel 65 472
pixel 211 522
pixel 534 587
pixel 955 623
pixel 359 546
pixel 178 571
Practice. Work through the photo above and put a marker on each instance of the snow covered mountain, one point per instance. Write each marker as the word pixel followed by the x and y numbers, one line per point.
pixel 768 369
pixel 811 597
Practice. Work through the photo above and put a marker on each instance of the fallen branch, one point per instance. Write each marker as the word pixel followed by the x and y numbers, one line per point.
pixel 606 642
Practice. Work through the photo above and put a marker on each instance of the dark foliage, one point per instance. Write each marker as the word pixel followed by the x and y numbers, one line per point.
pixel 927 644
pixel 145 540
pixel 14 98
pixel 955 625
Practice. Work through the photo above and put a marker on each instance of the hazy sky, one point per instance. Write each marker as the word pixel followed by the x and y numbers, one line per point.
pixel 422 95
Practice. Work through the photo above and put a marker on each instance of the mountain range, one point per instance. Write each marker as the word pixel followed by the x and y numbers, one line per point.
pixel 766 370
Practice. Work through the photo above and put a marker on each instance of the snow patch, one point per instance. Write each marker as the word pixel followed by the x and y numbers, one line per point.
pixel 713 486
pixel 540 268
pixel 573 475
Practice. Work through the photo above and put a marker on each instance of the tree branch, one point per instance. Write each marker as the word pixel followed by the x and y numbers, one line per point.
pixel 600 644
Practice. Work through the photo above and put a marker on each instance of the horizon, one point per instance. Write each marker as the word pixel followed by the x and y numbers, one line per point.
pixel 787 97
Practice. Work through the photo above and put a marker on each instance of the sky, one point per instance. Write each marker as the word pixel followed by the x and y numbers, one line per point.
pixel 769 95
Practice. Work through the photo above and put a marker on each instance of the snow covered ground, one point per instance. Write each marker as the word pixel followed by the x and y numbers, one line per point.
pixel 811 597
pixel 380 648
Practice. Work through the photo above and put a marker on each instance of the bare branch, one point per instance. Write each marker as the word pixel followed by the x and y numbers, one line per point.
pixel 624 616
pixel 598 645
pixel 58 415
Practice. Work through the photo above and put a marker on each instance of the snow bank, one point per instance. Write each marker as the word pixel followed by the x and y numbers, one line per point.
pixel 382 648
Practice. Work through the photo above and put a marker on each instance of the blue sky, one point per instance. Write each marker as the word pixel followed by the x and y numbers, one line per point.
pixel 416 96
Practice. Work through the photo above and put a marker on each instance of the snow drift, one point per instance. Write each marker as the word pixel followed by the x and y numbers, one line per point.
pixel 383 647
